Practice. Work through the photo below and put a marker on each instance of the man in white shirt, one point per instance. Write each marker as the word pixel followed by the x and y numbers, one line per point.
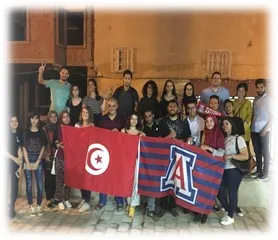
pixel 196 123
pixel 260 130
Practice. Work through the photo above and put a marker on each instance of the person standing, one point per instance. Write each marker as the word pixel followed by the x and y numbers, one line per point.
pixel 74 104
pixel 188 97
pixel 126 96
pixel 113 121
pixel 59 89
pixel 260 130
pixel 215 89
pixel 14 155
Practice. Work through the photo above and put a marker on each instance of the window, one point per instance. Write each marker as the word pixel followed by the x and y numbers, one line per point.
pixel 61 26
pixel 75 28
pixel 220 61
pixel 18 21
pixel 123 58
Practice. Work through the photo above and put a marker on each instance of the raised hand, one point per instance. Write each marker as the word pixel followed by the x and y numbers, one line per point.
pixel 42 67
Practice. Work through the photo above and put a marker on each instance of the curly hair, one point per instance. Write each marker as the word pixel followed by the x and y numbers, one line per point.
pixel 154 87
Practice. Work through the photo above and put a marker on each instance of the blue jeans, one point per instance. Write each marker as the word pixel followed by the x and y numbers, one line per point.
pixel 39 183
pixel 103 199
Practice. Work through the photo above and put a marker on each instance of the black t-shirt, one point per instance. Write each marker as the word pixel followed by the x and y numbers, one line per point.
pixel 33 143
pixel 153 131
pixel 126 100
pixel 15 141
pixel 163 106
pixel 149 103
pixel 181 127
pixel 74 111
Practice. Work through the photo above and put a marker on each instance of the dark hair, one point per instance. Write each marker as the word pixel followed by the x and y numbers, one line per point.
pixel 49 114
pixel 191 98
pixel 64 67
pixel 127 71
pixel 147 110
pixel 190 102
pixel 216 73
pixel 231 121
pixel 165 91
pixel 72 86
pixel 242 85
pixel 228 101
pixel 154 87
pixel 214 96
pixel 91 116
pixel 260 81
pixel 14 115
pixel 173 101
pixel 61 116
pixel 127 125
pixel 96 88
pixel 32 114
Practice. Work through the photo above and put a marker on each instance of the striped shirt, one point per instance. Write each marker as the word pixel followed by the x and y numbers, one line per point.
pixel 93 104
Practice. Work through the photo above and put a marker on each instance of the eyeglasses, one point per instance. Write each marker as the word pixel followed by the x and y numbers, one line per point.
pixel 191 108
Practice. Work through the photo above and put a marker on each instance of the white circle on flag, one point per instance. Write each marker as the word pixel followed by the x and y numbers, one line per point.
pixel 97 159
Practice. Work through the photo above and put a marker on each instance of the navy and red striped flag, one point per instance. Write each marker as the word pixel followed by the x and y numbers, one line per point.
pixel 172 167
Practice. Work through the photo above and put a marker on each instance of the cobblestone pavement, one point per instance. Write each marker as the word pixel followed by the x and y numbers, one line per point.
pixel 109 222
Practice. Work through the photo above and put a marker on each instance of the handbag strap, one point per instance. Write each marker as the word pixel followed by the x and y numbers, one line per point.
pixel 237 148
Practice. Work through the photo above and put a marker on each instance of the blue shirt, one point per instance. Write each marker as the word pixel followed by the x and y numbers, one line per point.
pixel 223 94
pixel 261 113
pixel 59 94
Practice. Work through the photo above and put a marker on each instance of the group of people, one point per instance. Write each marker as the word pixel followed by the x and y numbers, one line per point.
pixel 228 136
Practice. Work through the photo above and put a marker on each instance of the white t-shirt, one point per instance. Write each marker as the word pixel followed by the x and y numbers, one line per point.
pixel 230 148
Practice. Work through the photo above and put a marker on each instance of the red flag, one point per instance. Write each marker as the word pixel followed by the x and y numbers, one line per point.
pixel 206 110
pixel 100 160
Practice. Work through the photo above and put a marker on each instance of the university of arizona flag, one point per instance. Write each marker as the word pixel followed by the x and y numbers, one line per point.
pixel 100 160
pixel 172 167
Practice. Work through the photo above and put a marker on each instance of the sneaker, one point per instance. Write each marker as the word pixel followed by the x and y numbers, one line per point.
pixel 98 207
pixel 222 209
pixel 224 216
pixel 39 211
pixel 227 221
pixel 239 212
pixel 262 177
pixel 81 204
pixel 255 174
pixel 204 218
pixel 61 206
pixel 68 204
pixel 216 208
pixel 33 212
pixel 85 207
pixel 50 205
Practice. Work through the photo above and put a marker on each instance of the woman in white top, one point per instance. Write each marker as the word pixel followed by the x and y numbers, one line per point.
pixel 232 176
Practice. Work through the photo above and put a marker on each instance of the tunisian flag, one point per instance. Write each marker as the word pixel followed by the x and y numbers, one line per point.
pixel 100 160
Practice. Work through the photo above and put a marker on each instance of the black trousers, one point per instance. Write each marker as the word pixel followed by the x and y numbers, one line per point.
pixel 14 187
pixel 261 149
pixel 86 195
pixel 167 203
pixel 228 190
pixel 49 183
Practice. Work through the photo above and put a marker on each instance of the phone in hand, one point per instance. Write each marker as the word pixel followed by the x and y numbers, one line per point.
pixel 17 174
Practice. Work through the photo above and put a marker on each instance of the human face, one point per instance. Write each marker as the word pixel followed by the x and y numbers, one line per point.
pixel 75 91
pixel 149 90
pixel 65 119
pixel 216 80
pixel 133 121
pixel 127 80
pixel 169 87
pixel 64 74
pixel 191 109
pixel 213 104
pixel 209 123
pixel 91 86
pixel 112 107
pixel 148 117
pixel 227 127
pixel 229 108
pixel 241 93
pixel 34 121
pixel 53 118
pixel 14 123
pixel 84 114
pixel 189 90
pixel 260 89
pixel 172 109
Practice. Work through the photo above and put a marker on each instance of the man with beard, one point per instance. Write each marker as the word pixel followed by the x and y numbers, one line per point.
pixel 59 89
pixel 126 96
pixel 172 126
pixel 113 121
pixel 260 129
pixel 215 89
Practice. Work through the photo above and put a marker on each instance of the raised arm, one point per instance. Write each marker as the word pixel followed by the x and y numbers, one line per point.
pixel 41 70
